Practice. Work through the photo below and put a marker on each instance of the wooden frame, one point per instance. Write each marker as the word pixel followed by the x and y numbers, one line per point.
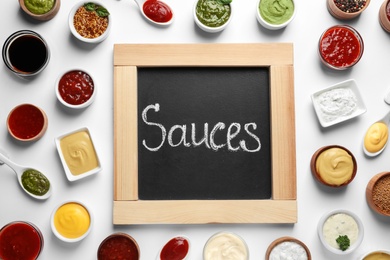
pixel 128 209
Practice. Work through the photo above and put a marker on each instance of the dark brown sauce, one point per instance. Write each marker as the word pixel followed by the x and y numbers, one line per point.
pixel 27 54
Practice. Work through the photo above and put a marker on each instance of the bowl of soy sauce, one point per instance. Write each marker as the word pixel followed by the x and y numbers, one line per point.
pixel 26 53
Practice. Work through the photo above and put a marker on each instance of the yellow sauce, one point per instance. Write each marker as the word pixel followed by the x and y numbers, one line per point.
pixel 72 220
pixel 376 137
pixel 79 152
pixel 377 256
pixel 335 166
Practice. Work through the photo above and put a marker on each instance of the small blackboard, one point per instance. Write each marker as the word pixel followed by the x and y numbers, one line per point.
pixel 178 158
pixel 204 133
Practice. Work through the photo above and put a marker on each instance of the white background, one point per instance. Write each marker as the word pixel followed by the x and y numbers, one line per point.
pixel 371 75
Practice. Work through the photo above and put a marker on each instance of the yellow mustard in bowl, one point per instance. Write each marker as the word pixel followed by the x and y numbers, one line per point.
pixel 377 256
pixel 72 220
pixel 335 166
pixel 376 137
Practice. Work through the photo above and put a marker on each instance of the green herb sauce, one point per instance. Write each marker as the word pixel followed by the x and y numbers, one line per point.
pixel 276 11
pixel 39 6
pixel 213 13
pixel 35 182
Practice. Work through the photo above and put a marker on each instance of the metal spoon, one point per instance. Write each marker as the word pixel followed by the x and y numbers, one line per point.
pixel 19 170
pixel 141 3
pixel 385 120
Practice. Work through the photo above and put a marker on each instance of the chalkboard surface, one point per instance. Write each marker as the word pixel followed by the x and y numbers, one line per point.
pixel 204 133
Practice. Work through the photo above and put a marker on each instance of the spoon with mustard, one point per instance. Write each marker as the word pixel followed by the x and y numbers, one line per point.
pixel 376 137
pixel 156 12
pixel 33 182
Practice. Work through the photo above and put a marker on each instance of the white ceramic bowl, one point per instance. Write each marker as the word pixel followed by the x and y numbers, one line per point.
pixel 386 252
pixel 66 239
pixel 68 172
pixel 208 28
pixel 77 35
pixel 76 106
pixel 272 26
pixel 336 251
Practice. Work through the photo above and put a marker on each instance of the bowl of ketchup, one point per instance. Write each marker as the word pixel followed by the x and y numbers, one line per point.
pixel 118 246
pixel 177 248
pixel 20 240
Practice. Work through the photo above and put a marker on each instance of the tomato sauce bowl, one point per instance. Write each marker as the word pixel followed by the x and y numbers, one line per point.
pixel 118 246
pixel 340 47
pixel 27 122
pixel 75 89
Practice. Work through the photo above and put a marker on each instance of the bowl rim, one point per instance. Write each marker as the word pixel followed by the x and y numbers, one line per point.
pixel 79 106
pixel 42 17
pixel 386 251
pixel 61 237
pixel 353 247
pixel 98 39
pixel 41 132
pixel 208 28
pixel 272 26
pixel 119 234
pixel 357 35
pixel 369 188
pixel 171 238
pixel 316 174
pixel 340 14
pixel 225 232
pixel 286 239
pixel 68 173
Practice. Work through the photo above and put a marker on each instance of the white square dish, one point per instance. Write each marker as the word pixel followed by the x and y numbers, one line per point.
pixel 338 103
pixel 78 154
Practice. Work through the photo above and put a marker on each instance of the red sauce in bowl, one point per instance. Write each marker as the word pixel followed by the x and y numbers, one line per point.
pixel 118 246
pixel 20 240
pixel 388 10
pixel 26 122
pixel 341 47
pixel 76 87
pixel 175 249
pixel 157 11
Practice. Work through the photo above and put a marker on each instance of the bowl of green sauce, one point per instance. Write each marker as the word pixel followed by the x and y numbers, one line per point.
pixel 41 10
pixel 275 14
pixel 212 15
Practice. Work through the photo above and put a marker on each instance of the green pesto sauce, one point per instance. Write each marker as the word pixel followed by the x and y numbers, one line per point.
pixel 39 6
pixel 276 11
pixel 35 182
pixel 212 13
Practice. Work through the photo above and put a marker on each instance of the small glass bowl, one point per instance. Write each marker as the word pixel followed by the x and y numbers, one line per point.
pixel 41 17
pixel 271 26
pixel 227 247
pixel 341 15
pixel 325 244
pixel 73 30
pixel 358 38
pixel 209 28
pixel 286 239
pixel 371 193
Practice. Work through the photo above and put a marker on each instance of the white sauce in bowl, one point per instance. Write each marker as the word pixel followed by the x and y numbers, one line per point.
pixel 340 224
pixel 225 246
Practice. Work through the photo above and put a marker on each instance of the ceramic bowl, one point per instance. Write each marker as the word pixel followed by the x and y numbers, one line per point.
pixel 230 241
pixel 71 75
pixel 317 175
pixel 336 12
pixel 287 239
pixel 382 254
pixel 71 217
pixel 110 243
pixel 27 122
pixel 209 28
pixel 273 26
pixel 73 30
pixel 41 17
pixel 178 244
pixel 378 193
pixel 323 45
pixel 338 231
pixel 78 141
pixel 383 18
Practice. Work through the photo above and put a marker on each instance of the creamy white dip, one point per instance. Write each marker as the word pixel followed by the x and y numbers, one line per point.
pixel 287 251
pixel 340 224
pixel 225 246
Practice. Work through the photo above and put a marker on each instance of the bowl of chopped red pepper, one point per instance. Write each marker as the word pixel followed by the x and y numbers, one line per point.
pixel 340 47
pixel 118 246
pixel 75 89
pixel 384 15
pixel 346 9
